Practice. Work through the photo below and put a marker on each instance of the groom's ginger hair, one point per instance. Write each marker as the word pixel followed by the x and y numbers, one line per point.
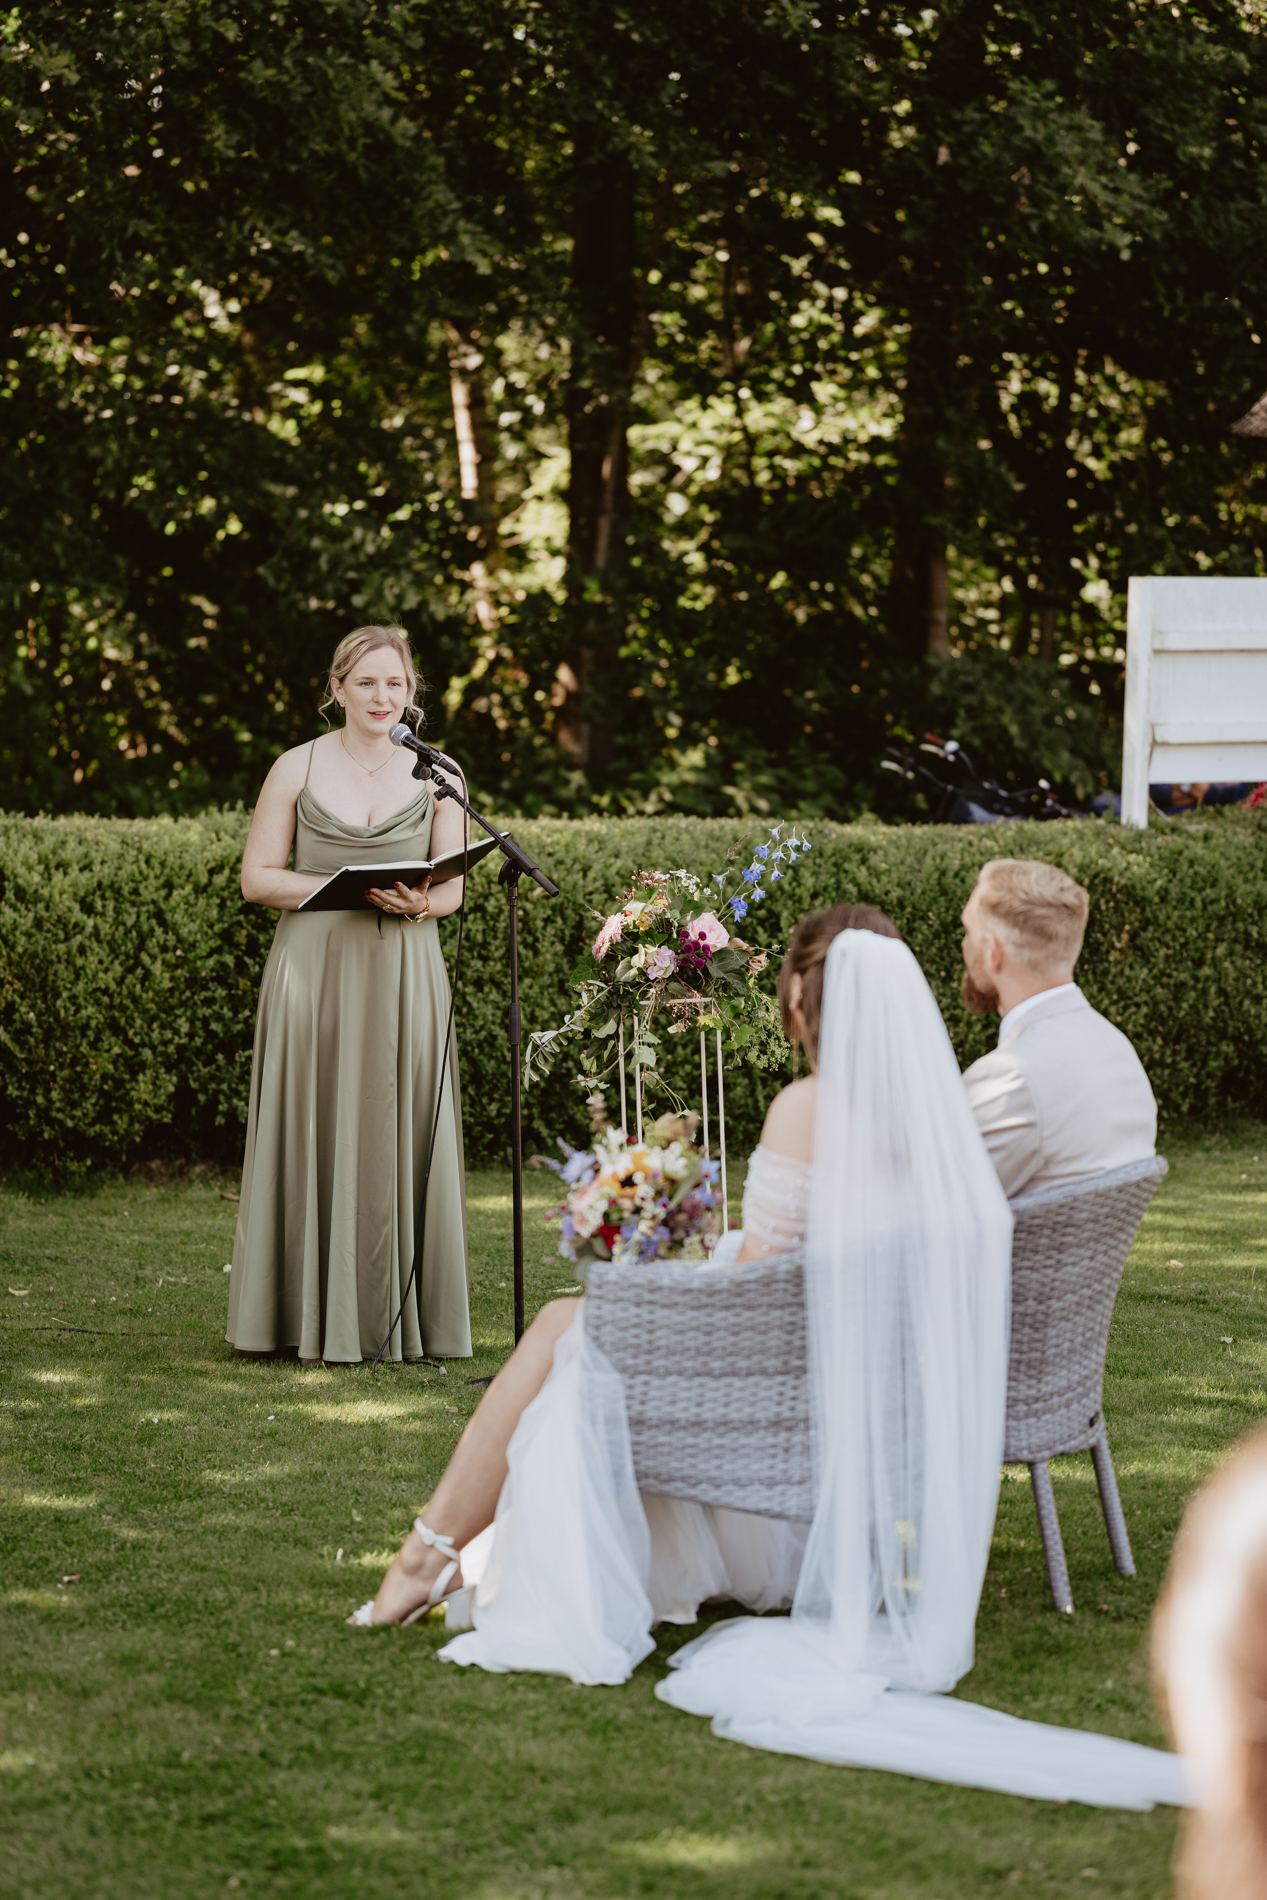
pixel 1037 909
pixel 806 954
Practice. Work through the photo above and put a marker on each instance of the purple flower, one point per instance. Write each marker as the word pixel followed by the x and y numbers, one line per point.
pixel 693 952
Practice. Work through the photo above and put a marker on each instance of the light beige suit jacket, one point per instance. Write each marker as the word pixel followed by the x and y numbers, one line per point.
pixel 1062 1097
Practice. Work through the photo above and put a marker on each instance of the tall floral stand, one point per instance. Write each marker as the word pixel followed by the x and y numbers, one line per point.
pixel 703 1084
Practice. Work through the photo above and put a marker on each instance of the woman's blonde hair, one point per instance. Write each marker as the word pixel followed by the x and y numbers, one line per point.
pixel 353 648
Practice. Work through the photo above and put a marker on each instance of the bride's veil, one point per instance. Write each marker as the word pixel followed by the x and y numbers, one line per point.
pixel 908 1265
pixel 907 1274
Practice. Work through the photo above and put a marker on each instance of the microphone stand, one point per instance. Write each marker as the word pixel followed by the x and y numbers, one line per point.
pixel 517 864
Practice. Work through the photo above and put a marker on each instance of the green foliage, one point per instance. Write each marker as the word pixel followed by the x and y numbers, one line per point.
pixel 129 965
pixel 1023 718
pixel 987 280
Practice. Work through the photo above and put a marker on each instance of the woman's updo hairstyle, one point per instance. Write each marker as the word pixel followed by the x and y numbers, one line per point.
pixel 353 648
pixel 806 954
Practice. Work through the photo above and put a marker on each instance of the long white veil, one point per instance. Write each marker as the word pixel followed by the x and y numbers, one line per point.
pixel 908 1263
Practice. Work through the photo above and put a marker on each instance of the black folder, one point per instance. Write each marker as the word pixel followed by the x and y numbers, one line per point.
pixel 346 889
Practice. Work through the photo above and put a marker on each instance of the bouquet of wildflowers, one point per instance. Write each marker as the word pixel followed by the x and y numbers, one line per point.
pixel 667 961
pixel 637 1201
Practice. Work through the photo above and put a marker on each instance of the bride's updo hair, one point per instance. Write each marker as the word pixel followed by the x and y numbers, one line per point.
pixel 353 648
pixel 807 953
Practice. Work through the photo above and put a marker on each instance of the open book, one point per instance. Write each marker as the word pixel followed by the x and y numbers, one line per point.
pixel 346 889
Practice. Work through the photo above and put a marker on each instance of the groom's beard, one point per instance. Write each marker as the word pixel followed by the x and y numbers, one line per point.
pixel 979 1001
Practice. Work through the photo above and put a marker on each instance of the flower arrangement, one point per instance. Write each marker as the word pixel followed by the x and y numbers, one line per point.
pixel 676 966
pixel 638 1201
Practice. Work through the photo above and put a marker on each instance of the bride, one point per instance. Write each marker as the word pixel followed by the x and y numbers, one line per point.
pixel 874 1165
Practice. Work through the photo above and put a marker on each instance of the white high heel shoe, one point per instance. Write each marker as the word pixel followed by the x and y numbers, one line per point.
pixel 364 1617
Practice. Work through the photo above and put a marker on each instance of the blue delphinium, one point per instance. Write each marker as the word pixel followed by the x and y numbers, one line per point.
pixel 752 875
pixel 740 908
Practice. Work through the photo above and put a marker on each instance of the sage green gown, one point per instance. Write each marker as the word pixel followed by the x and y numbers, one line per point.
pixel 348 1042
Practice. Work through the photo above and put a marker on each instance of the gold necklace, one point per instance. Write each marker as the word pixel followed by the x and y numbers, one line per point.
pixel 369 771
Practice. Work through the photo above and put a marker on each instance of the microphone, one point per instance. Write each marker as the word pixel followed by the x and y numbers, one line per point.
pixel 404 735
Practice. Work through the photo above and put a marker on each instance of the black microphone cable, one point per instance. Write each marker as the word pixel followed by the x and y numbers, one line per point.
pixel 444 1074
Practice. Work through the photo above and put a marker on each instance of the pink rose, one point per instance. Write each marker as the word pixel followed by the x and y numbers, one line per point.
pixel 715 934
pixel 661 962
pixel 608 935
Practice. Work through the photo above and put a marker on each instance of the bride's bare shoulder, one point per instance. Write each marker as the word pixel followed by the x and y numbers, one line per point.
pixel 789 1122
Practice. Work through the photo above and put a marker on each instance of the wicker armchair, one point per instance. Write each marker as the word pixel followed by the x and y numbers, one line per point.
pixel 714 1362
pixel 1068 1251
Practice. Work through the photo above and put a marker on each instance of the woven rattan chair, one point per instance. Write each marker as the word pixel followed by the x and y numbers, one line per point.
pixel 713 1364
pixel 1068 1251
pixel 714 1361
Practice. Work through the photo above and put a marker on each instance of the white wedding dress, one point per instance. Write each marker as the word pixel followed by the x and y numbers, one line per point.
pixel 908 1247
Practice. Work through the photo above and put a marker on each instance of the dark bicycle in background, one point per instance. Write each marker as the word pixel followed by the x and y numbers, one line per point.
pixel 965 798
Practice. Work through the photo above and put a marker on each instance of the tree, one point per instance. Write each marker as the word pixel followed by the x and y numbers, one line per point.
pixel 683 380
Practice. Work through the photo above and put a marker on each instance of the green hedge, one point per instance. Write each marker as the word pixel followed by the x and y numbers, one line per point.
pixel 129 964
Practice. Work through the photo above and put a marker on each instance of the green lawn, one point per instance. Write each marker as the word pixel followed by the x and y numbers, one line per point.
pixel 190 1714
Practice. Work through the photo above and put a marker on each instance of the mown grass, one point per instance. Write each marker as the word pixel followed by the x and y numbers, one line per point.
pixel 190 1714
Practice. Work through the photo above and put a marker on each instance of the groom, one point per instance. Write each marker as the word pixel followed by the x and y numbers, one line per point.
pixel 1064 1095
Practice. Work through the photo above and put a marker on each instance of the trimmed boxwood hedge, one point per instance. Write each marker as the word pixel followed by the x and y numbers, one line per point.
pixel 129 964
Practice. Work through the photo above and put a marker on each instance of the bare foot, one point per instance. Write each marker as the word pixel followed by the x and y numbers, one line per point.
pixel 410 1576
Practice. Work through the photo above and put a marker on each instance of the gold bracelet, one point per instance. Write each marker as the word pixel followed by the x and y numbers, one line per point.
pixel 418 916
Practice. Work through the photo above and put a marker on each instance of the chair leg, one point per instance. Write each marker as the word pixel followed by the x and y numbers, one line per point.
pixel 1049 1529
pixel 1114 1518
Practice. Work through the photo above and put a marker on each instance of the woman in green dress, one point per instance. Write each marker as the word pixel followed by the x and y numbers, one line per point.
pixel 348 1046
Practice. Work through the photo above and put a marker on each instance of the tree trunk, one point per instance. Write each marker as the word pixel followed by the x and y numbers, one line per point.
pixel 1054 502
pixel 919 587
pixel 477 461
pixel 604 323
pixel 938 601
pixel 1048 615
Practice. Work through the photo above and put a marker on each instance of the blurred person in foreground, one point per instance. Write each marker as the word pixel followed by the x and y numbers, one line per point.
pixel 1210 1658
pixel 1064 1094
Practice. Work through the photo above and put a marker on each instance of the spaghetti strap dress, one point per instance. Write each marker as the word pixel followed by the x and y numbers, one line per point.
pixel 348 1044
